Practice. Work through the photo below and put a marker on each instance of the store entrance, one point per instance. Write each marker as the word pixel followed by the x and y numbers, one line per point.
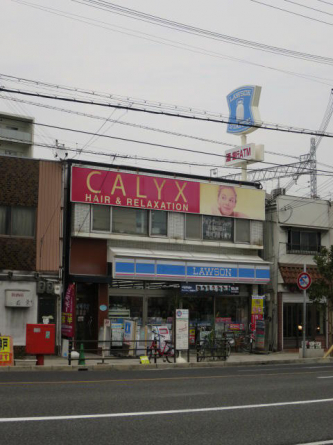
pixel 86 312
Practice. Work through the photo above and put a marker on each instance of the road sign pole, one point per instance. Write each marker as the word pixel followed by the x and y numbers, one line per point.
pixel 304 315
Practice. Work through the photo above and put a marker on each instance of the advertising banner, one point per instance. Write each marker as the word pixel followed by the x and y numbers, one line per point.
pixel 6 351
pixel 68 312
pixel 108 187
pixel 257 304
pixel 182 329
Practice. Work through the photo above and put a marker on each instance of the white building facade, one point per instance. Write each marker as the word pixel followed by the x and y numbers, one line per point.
pixel 295 230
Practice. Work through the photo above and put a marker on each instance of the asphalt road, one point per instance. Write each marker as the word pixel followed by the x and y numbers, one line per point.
pixel 267 404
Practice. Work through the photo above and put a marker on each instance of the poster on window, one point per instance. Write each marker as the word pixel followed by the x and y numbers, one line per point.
pixel 218 229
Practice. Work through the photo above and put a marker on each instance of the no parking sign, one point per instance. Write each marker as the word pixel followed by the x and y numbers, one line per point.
pixel 304 281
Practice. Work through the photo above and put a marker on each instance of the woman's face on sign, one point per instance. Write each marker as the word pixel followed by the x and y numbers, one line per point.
pixel 227 201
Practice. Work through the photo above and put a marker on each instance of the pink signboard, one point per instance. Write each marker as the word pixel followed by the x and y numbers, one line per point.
pixel 93 186
pixel 68 312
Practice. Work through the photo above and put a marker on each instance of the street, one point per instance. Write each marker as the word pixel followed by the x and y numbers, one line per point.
pixel 272 404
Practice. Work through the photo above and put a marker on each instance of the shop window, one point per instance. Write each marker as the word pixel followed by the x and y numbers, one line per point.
pixel 17 221
pixel 218 228
pixel 159 223
pixel 193 227
pixel 303 242
pixel 101 218
pixel 129 221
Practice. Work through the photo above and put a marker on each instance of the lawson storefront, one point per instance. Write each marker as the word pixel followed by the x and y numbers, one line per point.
pixel 144 243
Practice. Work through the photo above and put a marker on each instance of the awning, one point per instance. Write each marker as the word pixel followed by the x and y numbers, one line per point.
pixel 290 272
pixel 187 266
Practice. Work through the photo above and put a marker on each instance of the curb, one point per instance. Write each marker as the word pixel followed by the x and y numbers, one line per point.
pixel 138 367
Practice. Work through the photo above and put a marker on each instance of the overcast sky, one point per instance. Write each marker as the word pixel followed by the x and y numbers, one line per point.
pixel 109 53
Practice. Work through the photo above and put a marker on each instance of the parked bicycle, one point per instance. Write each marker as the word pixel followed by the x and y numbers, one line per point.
pixel 166 351
pixel 248 343
pixel 215 348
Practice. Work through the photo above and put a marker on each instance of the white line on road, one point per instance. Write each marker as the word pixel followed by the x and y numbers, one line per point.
pixel 325 442
pixel 326 377
pixel 158 413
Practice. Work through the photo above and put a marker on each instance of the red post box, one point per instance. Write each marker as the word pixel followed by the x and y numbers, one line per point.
pixel 40 340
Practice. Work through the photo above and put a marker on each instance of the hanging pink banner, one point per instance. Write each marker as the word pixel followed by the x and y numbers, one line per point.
pixel 68 313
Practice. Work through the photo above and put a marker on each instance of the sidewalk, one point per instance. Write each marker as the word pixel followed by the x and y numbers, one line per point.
pixel 93 362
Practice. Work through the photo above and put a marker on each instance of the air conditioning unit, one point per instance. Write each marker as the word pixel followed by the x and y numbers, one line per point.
pixel 49 287
pixel 278 191
pixel 57 289
pixel 41 287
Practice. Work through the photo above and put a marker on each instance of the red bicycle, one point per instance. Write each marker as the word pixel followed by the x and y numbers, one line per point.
pixel 167 351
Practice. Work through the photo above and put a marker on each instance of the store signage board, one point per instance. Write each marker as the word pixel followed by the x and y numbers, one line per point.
pixel 248 154
pixel 182 329
pixel 114 188
pixel 6 351
pixel 244 114
pixel 190 271
pixel 18 298
pixel 304 281
pixel 225 289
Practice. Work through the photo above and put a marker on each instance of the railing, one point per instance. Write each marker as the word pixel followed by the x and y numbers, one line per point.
pixel 106 352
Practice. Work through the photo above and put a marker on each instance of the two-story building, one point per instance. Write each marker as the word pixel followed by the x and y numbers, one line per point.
pixel 142 243
pixel 296 229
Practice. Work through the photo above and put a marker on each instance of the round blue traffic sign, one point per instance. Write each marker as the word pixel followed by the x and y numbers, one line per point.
pixel 304 281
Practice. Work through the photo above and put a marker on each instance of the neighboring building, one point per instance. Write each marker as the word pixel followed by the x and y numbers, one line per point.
pixel 16 135
pixel 143 243
pixel 30 244
pixel 296 229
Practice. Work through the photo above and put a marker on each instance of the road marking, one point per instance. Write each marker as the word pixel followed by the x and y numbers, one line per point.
pixel 326 377
pixel 325 442
pixel 159 413
pixel 291 367
pixel 159 379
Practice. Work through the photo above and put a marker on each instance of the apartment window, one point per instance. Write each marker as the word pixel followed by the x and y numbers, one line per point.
pixel 158 223
pixel 304 242
pixel 17 221
pixel 101 218
pixel 129 221
pixel 193 228
pixel 218 228
pixel 243 231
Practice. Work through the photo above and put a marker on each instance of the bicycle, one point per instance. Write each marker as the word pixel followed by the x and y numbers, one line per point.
pixel 155 351
pixel 214 348
pixel 248 342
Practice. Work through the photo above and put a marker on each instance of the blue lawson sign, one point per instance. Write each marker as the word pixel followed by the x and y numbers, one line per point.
pixel 190 271
pixel 243 109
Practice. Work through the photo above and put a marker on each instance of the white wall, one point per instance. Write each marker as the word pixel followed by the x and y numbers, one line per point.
pixel 13 320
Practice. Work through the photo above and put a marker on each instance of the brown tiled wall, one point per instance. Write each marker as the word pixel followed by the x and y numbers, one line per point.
pixel 18 186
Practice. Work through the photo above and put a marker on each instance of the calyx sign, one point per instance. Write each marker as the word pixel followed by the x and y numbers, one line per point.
pixel 243 109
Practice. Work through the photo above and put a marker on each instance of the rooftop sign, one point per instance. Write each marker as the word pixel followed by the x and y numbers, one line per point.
pixel 243 109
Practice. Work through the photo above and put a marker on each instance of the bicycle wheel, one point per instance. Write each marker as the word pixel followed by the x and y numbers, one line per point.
pixel 246 345
pixel 171 357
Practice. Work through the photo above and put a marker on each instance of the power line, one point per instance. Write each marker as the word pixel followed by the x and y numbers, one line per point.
pixel 293 13
pixel 167 42
pixel 308 7
pixel 263 125
pixel 309 170
pixel 159 21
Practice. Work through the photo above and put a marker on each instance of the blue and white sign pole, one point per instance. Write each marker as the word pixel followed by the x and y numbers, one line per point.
pixel 244 115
